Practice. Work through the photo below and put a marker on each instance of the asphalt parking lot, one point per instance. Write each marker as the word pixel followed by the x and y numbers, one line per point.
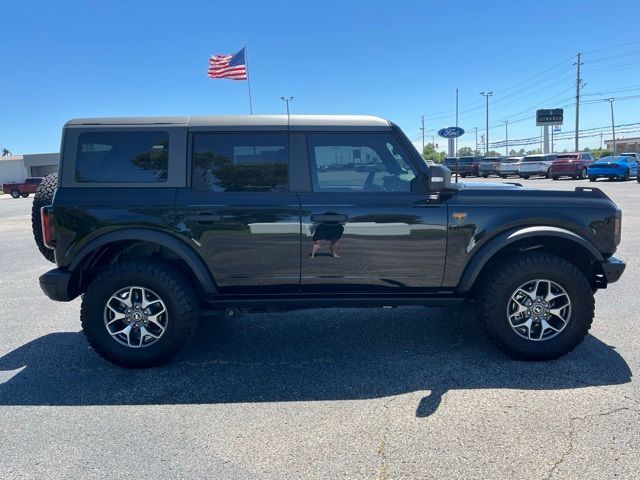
pixel 404 393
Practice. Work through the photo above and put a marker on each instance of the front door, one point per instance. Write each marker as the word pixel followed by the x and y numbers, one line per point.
pixel 239 213
pixel 363 229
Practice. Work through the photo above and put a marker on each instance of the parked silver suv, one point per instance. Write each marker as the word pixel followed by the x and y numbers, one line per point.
pixel 539 164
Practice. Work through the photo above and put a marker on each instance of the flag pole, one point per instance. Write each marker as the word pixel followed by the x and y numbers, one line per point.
pixel 246 59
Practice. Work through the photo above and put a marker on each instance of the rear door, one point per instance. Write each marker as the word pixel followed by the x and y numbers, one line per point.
pixel 239 212
pixel 363 229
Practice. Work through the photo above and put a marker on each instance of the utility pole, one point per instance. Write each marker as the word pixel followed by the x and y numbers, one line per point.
pixel 486 136
pixel 475 152
pixel 506 136
pixel 578 85
pixel 613 126
pixel 287 100
pixel 456 120
pixel 422 129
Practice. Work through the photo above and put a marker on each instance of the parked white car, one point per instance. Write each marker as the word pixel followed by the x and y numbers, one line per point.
pixel 509 166
pixel 536 165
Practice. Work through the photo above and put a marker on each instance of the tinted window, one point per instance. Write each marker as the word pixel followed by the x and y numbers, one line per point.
pixel 241 162
pixel 533 159
pixel 122 157
pixel 358 163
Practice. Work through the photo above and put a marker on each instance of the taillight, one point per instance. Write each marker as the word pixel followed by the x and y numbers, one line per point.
pixel 617 227
pixel 48 229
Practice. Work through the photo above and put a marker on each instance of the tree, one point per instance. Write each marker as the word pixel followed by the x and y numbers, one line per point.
pixel 535 151
pixel 492 153
pixel 430 153
pixel 601 152
pixel 465 152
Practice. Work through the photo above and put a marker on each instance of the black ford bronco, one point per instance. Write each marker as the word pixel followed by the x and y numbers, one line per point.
pixel 154 220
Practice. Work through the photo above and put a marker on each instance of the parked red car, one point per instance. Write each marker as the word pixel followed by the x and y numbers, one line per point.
pixel 17 190
pixel 572 165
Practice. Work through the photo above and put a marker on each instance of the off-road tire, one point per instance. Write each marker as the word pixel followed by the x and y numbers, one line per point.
pixel 505 277
pixel 170 285
pixel 42 198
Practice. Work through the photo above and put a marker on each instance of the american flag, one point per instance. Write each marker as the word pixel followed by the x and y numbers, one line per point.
pixel 228 66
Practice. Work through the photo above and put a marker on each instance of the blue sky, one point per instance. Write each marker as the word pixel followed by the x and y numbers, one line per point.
pixel 398 60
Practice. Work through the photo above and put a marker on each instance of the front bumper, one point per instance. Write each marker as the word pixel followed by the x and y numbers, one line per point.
pixel 56 284
pixel 612 269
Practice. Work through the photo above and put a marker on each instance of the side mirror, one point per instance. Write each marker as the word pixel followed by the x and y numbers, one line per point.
pixel 439 178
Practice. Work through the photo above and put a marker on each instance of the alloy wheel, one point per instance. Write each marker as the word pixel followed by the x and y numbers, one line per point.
pixel 539 310
pixel 135 317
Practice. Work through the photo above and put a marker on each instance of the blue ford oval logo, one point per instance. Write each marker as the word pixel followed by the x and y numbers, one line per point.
pixel 451 132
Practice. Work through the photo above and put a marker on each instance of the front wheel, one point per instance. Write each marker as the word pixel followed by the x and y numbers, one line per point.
pixel 484 175
pixel 15 193
pixel 583 174
pixel 505 176
pixel 24 195
pixel 139 313
pixel 536 306
pixel 627 175
pixel 526 177
pixel 592 178
pixel 554 177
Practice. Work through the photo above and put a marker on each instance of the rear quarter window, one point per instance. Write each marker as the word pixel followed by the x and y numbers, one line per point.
pixel 122 157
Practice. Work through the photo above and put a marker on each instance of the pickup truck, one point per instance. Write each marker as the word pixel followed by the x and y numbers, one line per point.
pixel 17 190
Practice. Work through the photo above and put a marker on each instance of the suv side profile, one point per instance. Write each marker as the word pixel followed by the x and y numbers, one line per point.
pixel 574 165
pixel 155 220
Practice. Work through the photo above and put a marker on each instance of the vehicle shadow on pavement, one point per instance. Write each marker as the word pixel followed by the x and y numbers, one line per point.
pixel 303 356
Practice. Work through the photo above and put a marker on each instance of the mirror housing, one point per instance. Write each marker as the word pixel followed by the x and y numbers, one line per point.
pixel 439 178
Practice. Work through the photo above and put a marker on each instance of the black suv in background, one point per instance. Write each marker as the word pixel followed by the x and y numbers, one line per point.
pixel 466 166
pixel 154 220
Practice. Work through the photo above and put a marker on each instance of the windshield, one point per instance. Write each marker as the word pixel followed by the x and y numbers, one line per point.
pixel 537 158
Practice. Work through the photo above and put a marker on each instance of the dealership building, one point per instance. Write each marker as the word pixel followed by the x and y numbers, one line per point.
pixel 15 168
pixel 624 144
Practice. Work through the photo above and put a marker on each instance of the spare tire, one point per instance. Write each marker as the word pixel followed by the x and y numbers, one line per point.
pixel 43 197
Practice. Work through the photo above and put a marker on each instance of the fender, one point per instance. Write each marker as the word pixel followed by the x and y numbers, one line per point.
pixel 181 249
pixel 489 249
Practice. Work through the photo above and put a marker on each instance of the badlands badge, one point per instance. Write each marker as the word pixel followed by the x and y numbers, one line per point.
pixel 459 217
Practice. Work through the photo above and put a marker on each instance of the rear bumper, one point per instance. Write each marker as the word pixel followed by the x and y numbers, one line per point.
pixel 612 269
pixel 56 285
pixel 572 170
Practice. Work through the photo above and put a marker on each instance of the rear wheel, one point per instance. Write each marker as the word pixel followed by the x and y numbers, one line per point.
pixel 583 174
pixel 139 313
pixel 24 195
pixel 15 193
pixel 42 198
pixel 526 177
pixel 627 174
pixel 554 177
pixel 536 306
pixel 592 178
pixel 546 175
pixel 505 176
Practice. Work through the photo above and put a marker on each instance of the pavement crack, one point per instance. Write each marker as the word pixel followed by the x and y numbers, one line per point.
pixel 572 436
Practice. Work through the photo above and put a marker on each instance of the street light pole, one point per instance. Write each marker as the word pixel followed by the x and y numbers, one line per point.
pixel 613 126
pixel 475 152
pixel 287 100
pixel 506 135
pixel 486 136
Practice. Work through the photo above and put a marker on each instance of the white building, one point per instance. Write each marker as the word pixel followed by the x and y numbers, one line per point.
pixel 15 168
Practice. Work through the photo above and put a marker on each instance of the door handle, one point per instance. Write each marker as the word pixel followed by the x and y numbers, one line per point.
pixel 205 217
pixel 329 217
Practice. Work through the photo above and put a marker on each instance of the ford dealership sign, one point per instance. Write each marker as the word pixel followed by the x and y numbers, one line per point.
pixel 451 132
